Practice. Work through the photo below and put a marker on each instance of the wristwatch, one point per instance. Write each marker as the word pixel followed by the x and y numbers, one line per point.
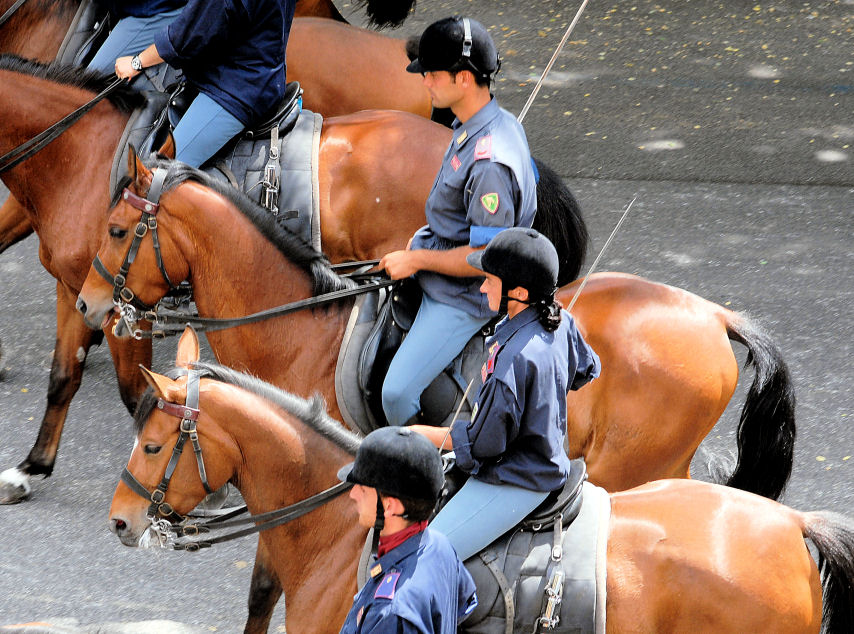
pixel 136 63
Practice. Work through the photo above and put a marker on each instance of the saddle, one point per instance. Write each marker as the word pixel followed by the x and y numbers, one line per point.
pixel 274 161
pixel 378 324
pixel 548 573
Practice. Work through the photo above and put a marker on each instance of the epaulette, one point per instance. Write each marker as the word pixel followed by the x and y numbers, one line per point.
pixel 483 148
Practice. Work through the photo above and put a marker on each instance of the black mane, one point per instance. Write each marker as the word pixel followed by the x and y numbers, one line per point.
pixel 311 411
pixel 304 255
pixel 125 98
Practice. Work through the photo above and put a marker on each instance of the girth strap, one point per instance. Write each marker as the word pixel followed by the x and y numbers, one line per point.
pixel 489 558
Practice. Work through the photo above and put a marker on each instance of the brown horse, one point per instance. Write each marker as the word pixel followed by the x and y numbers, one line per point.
pixel 320 52
pixel 682 556
pixel 668 368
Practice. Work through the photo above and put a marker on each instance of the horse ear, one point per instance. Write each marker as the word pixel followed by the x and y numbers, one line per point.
pixel 139 174
pixel 163 386
pixel 168 147
pixel 188 348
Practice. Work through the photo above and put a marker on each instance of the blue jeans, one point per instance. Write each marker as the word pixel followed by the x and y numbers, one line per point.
pixel 203 130
pixel 438 335
pixel 480 513
pixel 130 36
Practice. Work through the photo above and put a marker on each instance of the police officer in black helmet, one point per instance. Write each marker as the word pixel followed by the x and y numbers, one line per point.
pixel 418 583
pixel 514 445
pixel 486 184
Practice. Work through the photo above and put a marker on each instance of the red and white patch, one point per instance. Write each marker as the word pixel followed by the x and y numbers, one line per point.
pixel 456 162
pixel 483 148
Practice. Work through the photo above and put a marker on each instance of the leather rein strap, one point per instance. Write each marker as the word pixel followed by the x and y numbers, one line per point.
pixel 34 145
pixel 11 11
pixel 183 526
pixel 147 222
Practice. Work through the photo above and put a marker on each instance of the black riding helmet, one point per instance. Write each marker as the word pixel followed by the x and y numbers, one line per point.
pixel 520 257
pixel 398 462
pixel 455 44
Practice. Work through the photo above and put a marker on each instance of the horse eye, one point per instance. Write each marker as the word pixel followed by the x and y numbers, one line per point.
pixel 152 449
pixel 117 232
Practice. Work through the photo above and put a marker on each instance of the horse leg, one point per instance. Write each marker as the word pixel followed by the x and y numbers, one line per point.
pixel 73 340
pixel 264 592
pixel 14 223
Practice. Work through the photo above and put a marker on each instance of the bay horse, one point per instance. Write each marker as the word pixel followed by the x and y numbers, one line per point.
pixel 320 53
pixel 668 368
pixel 682 555
pixel 353 236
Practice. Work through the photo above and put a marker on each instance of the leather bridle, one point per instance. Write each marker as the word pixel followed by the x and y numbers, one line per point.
pixel 189 415
pixel 167 524
pixel 122 294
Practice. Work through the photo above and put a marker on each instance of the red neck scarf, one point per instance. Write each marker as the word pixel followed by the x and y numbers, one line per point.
pixel 390 542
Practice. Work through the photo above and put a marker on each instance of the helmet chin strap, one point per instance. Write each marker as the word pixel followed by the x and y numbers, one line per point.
pixel 379 524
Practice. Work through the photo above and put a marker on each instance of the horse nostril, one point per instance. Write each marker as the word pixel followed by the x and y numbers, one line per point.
pixel 118 526
pixel 81 306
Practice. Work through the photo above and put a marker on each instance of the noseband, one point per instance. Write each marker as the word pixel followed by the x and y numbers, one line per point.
pixel 123 297
pixel 189 414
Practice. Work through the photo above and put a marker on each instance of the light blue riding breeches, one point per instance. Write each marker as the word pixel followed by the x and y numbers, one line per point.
pixel 480 513
pixel 438 334
pixel 131 36
pixel 203 130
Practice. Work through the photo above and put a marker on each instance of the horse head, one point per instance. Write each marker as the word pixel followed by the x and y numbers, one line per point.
pixel 133 237
pixel 165 479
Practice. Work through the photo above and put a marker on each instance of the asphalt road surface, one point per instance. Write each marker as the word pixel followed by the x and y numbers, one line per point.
pixel 731 123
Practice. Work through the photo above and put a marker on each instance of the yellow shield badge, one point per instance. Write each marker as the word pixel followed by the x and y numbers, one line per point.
pixel 490 202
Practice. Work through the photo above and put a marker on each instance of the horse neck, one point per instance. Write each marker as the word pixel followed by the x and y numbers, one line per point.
pixel 285 461
pixel 37 29
pixel 64 187
pixel 236 271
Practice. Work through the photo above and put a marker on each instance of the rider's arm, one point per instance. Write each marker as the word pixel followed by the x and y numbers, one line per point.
pixel 148 57
pixel 400 264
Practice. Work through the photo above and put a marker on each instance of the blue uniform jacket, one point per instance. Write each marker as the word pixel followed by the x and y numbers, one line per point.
pixel 423 587
pixel 233 51
pixel 486 184
pixel 139 8
pixel 518 425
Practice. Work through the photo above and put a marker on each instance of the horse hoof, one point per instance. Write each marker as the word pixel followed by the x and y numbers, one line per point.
pixel 14 486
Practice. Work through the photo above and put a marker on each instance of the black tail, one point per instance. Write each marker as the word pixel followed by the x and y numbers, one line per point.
pixel 387 13
pixel 833 536
pixel 559 219
pixel 766 430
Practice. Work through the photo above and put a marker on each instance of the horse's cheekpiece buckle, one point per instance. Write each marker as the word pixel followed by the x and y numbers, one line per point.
pixel 140 230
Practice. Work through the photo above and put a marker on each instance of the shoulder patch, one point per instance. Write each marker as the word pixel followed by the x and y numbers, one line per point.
pixel 483 148
pixel 490 202
pixel 387 586
pixel 489 367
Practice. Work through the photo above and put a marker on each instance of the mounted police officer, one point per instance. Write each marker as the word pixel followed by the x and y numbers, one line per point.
pixel 513 448
pixel 136 22
pixel 233 53
pixel 486 183
pixel 418 583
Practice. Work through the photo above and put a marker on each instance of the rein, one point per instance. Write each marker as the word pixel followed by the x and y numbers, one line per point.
pixel 11 11
pixel 38 142
pixel 169 323
pixel 168 525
